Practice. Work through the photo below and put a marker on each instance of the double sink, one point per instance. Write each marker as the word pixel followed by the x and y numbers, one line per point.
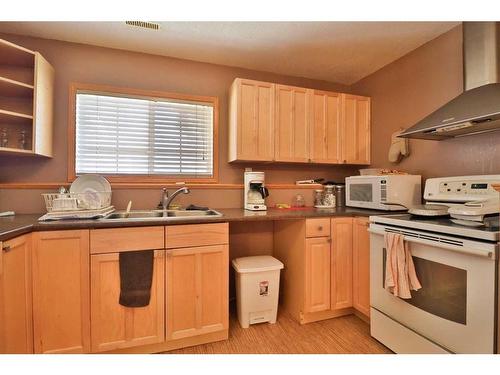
pixel 162 215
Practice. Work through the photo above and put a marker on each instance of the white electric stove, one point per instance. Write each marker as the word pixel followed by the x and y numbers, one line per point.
pixel 456 309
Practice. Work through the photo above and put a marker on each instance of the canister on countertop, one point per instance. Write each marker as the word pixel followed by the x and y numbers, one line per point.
pixel 318 197
pixel 329 196
pixel 339 195
pixel 298 201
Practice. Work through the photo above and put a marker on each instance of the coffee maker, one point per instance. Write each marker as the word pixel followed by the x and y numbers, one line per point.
pixel 255 191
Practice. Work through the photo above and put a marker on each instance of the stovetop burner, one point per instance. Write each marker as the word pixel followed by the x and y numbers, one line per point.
pixel 429 210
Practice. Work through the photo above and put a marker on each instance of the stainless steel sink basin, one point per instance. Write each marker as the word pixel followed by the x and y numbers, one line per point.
pixel 166 215
pixel 192 213
pixel 135 215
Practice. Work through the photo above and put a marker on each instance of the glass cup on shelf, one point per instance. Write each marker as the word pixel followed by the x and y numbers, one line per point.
pixel 4 137
pixel 23 140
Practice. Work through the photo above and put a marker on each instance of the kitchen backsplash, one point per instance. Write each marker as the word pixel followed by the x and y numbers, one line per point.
pixel 24 201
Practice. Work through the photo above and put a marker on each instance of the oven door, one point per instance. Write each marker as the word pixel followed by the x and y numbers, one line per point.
pixel 456 306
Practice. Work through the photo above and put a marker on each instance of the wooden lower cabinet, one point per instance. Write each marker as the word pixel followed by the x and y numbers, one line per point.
pixel 361 265
pixel 341 277
pixel 317 281
pixel 317 274
pixel 55 297
pixel 16 327
pixel 197 291
pixel 61 291
pixel 114 326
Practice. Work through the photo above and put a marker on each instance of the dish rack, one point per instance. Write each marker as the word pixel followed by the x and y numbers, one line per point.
pixel 90 200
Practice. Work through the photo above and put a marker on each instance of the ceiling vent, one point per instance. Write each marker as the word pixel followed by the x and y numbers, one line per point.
pixel 144 24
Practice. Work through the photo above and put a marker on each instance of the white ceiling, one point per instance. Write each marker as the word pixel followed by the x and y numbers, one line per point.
pixel 342 52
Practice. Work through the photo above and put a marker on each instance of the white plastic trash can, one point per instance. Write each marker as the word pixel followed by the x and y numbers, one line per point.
pixel 257 289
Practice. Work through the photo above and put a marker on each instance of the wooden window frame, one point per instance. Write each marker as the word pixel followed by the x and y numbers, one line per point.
pixel 74 87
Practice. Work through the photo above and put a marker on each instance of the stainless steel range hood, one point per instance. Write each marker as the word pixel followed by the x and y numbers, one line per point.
pixel 477 109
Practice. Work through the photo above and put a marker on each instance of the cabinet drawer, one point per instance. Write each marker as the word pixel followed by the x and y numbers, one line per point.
pixel 126 239
pixel 318 227
pixel 196 235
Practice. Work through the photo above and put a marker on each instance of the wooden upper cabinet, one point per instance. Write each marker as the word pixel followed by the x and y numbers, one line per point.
pixel 43 109
pixel 16 327
pixel 361 265
pixel 197 291
pixel 115 326
pixel 26 101
pixel 251 120
pixel 341 277
pixel 273 122
pixel 326 122
pixel 317 275
pixel 355 129
pixel 61 291
pixel 292 124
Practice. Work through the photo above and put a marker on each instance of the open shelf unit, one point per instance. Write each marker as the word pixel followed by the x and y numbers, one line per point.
pixel 26 101
pixel 14 117
pixel 12 88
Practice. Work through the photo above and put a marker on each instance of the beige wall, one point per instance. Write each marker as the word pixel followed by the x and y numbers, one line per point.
pixel 410 88
pixel 88 64
pixel 402 93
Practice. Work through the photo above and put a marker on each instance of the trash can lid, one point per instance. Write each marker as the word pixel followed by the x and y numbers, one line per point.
pixel 259 263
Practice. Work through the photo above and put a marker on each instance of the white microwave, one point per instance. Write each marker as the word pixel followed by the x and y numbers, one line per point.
pixel 387 192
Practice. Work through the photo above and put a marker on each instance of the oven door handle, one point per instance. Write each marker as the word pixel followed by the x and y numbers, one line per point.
pixel 443 245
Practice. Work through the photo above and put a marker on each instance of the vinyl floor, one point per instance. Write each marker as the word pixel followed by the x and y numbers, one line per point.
pixel 343 335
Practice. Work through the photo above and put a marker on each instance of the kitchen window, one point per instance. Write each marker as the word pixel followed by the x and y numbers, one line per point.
pixel 141 136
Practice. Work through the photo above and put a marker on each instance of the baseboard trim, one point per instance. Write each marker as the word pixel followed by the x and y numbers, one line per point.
pixel 323 315
pixel 174 344
pixel 362 316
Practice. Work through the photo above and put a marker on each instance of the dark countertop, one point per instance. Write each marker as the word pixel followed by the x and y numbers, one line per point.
pixel 14 226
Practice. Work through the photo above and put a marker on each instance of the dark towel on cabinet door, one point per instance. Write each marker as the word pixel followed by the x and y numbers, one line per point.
pixel 136 276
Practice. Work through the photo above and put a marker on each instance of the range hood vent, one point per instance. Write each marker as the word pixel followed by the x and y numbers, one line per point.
pixel 477 109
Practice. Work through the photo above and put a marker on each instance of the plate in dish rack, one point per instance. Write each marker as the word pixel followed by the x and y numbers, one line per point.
pixel 89 187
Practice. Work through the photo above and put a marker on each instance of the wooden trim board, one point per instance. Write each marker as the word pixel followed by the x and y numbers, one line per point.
pixel 156 185
pixel 174 344
pixel 322 315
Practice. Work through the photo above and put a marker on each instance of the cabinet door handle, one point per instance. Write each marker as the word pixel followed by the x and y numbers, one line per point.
pixel 6 248
pixel 320 227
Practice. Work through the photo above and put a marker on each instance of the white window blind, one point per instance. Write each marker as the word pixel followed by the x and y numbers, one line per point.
pixel 143 136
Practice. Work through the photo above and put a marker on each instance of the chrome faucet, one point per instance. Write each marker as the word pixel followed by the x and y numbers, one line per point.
pixel 167 199
pixel 163 199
